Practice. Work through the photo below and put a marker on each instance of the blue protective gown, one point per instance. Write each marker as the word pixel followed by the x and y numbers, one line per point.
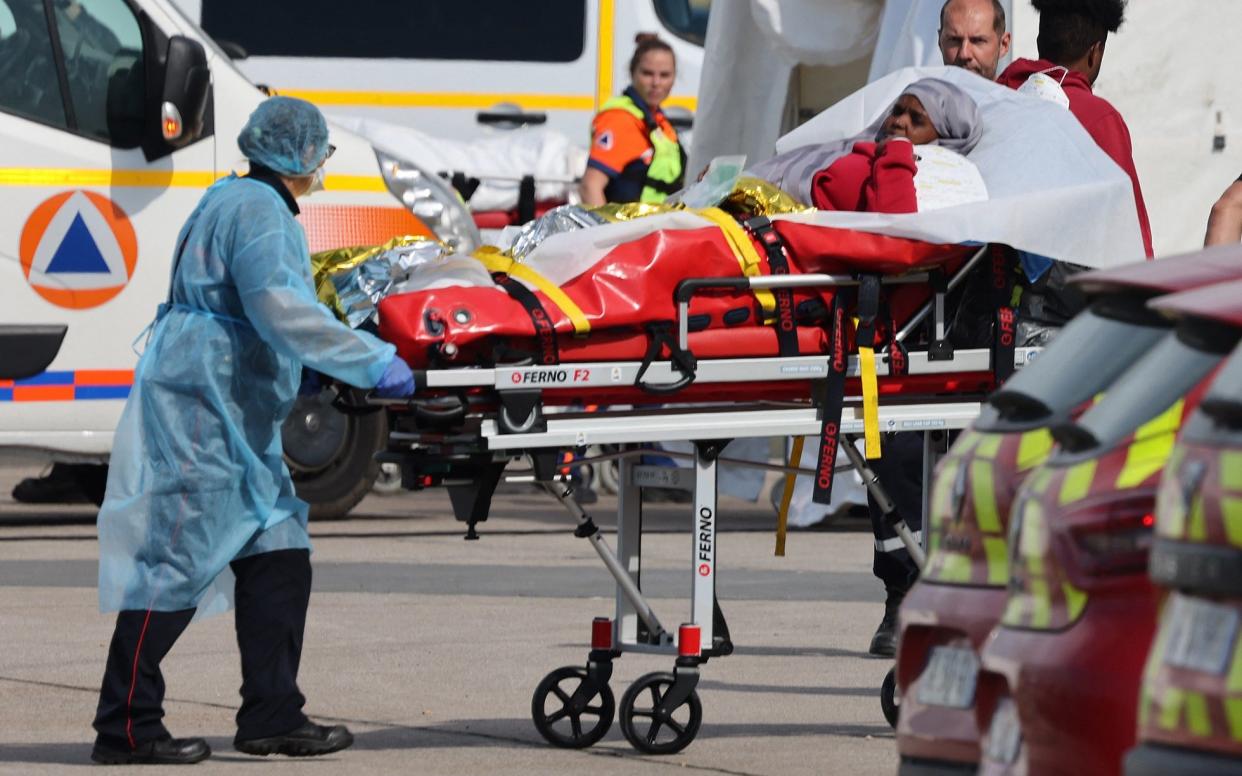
pixel 197 478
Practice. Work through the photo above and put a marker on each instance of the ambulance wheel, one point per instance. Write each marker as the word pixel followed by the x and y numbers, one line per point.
pixel 331 455
pixel 652 731
pixel 890 704
pixel 570 710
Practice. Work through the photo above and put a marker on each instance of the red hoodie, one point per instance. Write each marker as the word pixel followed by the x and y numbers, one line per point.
pixel 1097 116
pixel 866 182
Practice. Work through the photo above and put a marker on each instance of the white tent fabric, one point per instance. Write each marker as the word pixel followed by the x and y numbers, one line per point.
pixel 752 48
pixel 499 162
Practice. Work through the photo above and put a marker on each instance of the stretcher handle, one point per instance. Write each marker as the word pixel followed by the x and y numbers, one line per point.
pixel 688 287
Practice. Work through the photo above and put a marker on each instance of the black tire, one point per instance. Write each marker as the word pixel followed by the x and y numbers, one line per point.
pixel 683 723
pixel 331 455
pixel 890 703
pixel 560 722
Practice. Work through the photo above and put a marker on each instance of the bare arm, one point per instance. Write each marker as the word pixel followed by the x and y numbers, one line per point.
pixel 591 188
pixel 1225 223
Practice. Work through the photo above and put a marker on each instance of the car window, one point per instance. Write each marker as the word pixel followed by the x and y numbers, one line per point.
pixel 486 30
pixel 29 86
pixel 687 19
pixel 1165 374
pixel 1110 336
pixel 101 43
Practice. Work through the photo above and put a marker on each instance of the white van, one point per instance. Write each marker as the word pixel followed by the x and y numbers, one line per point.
pixel 457 69
pixel 115 115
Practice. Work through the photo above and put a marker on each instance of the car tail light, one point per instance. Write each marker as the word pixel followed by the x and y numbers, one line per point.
pixel 1114 537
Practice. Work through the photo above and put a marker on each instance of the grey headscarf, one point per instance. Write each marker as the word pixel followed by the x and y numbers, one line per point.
pixel 952 112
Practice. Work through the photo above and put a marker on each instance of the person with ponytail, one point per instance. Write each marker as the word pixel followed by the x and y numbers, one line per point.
pixel 635 152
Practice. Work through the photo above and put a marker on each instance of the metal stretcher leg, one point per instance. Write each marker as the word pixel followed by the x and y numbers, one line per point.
pixel 588 530
pixel 889 509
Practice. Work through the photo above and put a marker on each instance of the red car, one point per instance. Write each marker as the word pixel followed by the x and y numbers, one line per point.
pixel 1058 692
pixel 1190 713
pixel 961 595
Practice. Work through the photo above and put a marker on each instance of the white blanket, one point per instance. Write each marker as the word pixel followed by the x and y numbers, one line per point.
pixel 1052 191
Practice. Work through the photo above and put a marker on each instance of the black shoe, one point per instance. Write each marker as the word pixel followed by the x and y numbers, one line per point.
pixel 161 751
pixel 58 486
pixel 884 642
pixel 310 740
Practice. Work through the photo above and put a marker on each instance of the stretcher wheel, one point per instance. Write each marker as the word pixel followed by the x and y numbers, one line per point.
pixel 890 704
pixel 570 710
pixel 654 732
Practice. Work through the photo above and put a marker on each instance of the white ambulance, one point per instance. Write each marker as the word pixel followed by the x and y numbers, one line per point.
pixel 115 115
pixel 455 69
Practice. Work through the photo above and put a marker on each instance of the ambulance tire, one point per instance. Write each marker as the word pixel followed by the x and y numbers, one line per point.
pixel 889 703
pixel 331 455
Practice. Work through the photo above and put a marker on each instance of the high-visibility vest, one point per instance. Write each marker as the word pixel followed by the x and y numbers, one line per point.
pixel 665 173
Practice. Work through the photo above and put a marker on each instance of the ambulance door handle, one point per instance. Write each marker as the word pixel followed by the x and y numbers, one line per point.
pixel 506 115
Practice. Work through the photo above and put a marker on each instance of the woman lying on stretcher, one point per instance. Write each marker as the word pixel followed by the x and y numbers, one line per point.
pixel 875 171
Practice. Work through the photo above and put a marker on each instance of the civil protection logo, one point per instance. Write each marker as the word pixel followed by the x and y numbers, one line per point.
pixel 78 249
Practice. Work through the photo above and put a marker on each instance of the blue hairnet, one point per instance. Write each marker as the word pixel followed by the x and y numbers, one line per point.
pixel 285 134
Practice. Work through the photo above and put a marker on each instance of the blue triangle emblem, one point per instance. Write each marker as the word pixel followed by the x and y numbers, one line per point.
pixel 77 252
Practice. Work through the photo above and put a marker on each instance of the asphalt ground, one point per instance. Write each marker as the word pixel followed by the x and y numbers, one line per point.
pixel 429 647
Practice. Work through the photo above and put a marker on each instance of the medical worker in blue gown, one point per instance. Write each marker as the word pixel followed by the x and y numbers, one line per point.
pixel 197 486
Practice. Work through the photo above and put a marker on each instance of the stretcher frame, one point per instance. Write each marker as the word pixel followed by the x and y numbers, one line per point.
pixel 519 426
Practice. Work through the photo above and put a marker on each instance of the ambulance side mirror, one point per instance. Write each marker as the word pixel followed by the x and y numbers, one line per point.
pixel 183 103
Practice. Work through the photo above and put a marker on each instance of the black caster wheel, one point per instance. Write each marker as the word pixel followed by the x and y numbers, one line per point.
pixel 890 703
pixel 654 732
pixel 571 711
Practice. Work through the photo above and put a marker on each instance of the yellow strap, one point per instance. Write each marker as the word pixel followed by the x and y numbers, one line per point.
pixel 744 251
pixel 871 400
pixel 782 517
pixel 495 261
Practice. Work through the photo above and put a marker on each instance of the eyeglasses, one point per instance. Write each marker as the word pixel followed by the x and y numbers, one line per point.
pixel 331 150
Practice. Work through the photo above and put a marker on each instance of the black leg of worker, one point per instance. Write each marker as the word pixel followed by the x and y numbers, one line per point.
pixel 900 471
pixel 271 597
pixel 129 719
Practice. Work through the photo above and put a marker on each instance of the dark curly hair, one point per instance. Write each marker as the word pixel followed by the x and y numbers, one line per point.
pixel 1067 28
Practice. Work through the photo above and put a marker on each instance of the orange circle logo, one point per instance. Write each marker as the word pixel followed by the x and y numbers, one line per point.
pixel 78 249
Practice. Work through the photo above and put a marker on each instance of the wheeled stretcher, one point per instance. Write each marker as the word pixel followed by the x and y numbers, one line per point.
pixel 492 389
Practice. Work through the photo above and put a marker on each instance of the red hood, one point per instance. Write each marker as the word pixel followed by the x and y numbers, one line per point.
pixel 1021 69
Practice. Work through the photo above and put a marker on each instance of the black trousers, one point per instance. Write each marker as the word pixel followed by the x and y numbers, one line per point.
pixel 271 595
pixel 900 471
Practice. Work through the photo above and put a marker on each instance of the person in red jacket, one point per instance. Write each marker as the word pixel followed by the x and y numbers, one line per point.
pixel 1072 37
pixel 874 172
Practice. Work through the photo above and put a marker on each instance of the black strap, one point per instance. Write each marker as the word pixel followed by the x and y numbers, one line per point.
pixel 1004 262
pixel 545 332
pixel 868 309
pixel 778 264
pixel 659 336
pixel 831 399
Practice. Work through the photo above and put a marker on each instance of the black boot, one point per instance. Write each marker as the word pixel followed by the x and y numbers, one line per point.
pixel 884 642
pixel 309 740
pixel 161 751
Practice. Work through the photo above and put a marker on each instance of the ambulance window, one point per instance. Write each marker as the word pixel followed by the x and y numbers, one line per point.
pixel 485 30
pixel 28 84
pixel 687 19
pixel 101 43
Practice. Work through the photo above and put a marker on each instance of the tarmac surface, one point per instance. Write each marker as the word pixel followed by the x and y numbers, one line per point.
pixel 429 647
